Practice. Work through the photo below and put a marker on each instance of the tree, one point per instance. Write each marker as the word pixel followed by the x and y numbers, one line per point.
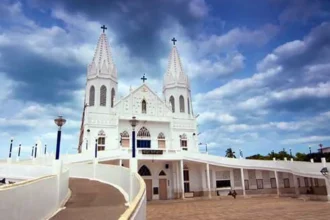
pixel 230 153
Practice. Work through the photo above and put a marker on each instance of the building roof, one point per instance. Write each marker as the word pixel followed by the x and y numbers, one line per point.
pixel 174 74
pixel 102 63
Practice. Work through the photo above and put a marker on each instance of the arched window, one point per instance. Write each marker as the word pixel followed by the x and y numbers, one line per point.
pixel 143 138
pixel 144 171
pixel 181 99
pixel 183 142
pixel 144 106
pixel 172 103
pixel 113 93
pixel 92 96
pixel 124 138
pixel 188 106
pixel 101 141
pixel 161 141
pixel 103 96
pixel 124 134
pixel 143 132
pixel 161 135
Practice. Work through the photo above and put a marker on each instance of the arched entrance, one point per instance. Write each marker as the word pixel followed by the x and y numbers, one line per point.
pixel 162 185
pixel 145 173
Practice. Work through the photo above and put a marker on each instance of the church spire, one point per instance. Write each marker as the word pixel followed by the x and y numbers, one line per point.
pixel 174 73
pixel 102 63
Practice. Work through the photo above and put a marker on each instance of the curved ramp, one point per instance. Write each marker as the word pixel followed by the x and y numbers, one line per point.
pixel 92 200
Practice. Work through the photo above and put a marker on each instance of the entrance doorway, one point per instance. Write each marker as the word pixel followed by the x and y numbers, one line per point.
pixel 145 172
pixel 163 189
pixel 148 189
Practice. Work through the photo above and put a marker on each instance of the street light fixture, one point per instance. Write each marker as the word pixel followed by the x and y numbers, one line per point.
pixel 35 151
pixel 290 152
pixel 19 149
pixel 201 144
pixel 60 121
pixel 324 171
pixel 133 122
pixel 11 146
pixel 96 148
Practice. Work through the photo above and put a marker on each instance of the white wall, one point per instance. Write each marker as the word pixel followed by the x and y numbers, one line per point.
pixel 34 199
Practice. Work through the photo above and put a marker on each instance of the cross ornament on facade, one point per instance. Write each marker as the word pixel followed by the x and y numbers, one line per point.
pixel 174 40
pixel 104 28
pixel 144 78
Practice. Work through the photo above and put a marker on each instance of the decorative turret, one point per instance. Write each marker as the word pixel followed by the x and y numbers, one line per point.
pixel 102 63
pixel 102 83
pixel 176 86
pixel 175 75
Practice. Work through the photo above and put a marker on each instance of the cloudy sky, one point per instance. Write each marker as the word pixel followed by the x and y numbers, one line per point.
pixel 260 72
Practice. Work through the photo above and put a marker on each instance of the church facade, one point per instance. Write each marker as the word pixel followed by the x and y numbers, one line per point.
pixel 166 139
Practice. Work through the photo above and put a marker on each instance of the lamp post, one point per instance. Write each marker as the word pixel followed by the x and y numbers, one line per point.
pixel 45 149
pixel 87 139
pixel 199 144
pixel 60 121
pixel 133 122
pixel 35 151
pixel 19 150
pixel 95 148
pixel 32 151
pixel 321 149
pixel 290 152
pixel 11 146
pixel 310 150
pixel 241 153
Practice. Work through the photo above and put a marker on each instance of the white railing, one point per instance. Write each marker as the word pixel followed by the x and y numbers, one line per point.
pixel 23 171
pixel 298 168
pixel 130 184
pixel 34 199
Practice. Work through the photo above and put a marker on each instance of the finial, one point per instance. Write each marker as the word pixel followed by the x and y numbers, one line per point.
pixel 173 40
pixel 104 28
pixel 144 78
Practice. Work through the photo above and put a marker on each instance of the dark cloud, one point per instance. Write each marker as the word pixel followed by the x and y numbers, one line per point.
pixel 137 23
pixel 301 106
pixel 300 58
pixel 43 79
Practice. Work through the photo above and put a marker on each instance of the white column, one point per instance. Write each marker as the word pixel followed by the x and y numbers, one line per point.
pixel 295 183
pixel 243 183
pixel 327 184
pixel 182 180
pixel 277 183
pixel 120 162
pixel 178 177
pixel 208 179
pixel 232 182
pixel 133 164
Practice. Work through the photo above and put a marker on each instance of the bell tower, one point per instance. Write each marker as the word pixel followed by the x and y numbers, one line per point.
pixel 176 86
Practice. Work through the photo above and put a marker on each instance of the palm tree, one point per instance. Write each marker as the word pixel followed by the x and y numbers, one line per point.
pixel 230 153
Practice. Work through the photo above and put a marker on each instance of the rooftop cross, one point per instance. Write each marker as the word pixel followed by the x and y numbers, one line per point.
pixel 173 40
pixel 144 78
pixel 104 28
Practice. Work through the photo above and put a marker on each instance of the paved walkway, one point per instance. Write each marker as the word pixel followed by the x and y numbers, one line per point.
pixel 228 208
pixel 92 200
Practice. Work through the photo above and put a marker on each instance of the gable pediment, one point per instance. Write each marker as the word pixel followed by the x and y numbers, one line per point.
pixel 132 103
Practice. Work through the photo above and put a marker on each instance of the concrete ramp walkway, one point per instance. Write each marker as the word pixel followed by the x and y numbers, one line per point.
pixel 92 200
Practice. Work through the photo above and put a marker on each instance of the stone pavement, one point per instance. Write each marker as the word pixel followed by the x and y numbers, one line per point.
pixel 228 208
pixel 92 200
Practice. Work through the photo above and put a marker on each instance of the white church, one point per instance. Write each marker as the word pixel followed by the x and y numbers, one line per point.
pixel 166 140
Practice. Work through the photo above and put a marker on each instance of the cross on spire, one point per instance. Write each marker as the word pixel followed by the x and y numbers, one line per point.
pixel 144 78
pixel 104 28
pixel 173 40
